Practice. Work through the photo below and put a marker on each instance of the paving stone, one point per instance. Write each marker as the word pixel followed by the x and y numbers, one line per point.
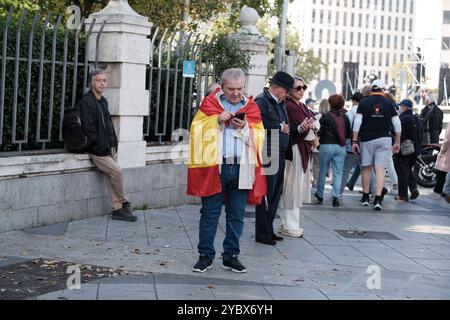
pixel 126 291
pixel 183 292
pixel 294 293
pixel 87 292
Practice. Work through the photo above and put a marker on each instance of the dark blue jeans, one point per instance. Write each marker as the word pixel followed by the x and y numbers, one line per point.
pixel 236 201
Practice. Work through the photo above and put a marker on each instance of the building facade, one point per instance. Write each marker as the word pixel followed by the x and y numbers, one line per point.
pixel 373 33
pixel 445 47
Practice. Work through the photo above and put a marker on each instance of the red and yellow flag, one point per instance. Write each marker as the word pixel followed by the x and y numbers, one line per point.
pixel 203 166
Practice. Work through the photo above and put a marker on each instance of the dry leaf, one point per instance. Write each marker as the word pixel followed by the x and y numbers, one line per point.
pixel 211 286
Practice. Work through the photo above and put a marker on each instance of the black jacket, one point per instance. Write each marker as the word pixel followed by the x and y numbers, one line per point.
pixel 97 124
pixel 411 129
pixel 272 116
pixel 328 132
pixel 432 122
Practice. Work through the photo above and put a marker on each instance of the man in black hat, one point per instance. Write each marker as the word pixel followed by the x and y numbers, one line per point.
pixel 276 122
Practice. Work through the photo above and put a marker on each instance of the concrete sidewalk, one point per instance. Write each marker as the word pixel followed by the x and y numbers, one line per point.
pixel 156 255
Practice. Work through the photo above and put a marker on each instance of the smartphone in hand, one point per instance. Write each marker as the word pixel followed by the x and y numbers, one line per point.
pixel 240 116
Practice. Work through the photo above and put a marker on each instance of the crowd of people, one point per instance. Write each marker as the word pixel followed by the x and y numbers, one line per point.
pixel 272 150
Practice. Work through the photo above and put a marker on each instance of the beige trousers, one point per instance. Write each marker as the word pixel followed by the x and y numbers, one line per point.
pixel 114 177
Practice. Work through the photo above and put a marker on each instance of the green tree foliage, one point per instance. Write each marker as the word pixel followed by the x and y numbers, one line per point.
pixel 307 66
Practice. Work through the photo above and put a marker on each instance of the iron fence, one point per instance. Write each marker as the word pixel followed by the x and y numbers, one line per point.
pixel 173 98
pixel 42 74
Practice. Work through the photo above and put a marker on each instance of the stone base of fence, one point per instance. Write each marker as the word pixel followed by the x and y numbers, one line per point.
pixel 48 189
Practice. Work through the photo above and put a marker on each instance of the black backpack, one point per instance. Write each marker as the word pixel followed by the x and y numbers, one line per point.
pixel 72 131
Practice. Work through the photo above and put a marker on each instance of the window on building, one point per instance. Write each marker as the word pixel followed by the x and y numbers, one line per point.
pixel 312 35
pixel 372 60
pixel 367 21
pixel 335 56
pixel 374 42
pixel 359 39
pixel 327 56
pixel 343 37
pixel 365 58
pixel 358 55
pixel 320 35
pixel 368 4
pixel 329 17
pixel 336 36
pixel 403 43
pixel 345 18
pixel 396 24
pixel 386 78
pixel 388 41
pixel 345 3
pixel 395 42
pixel 446 43
pixel 353 3
pixel 350 56
pixel 361 4
pixel 314 15
pixel 319 53
pixel 382 22
pixel 351 38
pixel 342 56
pixel 381 40
pixel 321 17
pixel 387 59
pixel 380 59
pixel 403 24
pixel 330 3
pixel 382 5
pixel 389 24
pixel 394 58
pixel 337 18
pixel 390 6
pixel 334 74
pixel 360 20
pixel 322 2
pixel 404 6
pixel 410 25
pixel 397 6
pixel 366 40
pixel 411 6
pixel 446 17
pixel 401 58
pixel 352 21
pixel 379 74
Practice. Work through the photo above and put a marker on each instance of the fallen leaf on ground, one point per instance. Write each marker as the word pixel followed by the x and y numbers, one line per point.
pixel 211 286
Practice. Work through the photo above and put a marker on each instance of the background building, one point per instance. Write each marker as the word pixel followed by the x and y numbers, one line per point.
pixel 377 34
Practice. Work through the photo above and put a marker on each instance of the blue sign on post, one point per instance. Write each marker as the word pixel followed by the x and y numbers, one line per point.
pixel 188 69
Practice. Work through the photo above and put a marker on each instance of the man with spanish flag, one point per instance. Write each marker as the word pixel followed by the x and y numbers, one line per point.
pixel 225 166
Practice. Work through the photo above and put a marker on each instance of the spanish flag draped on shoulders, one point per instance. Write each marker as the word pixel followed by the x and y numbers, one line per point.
pixel 206 144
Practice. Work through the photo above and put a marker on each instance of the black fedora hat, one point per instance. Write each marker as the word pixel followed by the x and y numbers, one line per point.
pixel 282 79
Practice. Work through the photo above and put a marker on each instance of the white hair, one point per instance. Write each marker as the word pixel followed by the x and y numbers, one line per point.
pixel 232 74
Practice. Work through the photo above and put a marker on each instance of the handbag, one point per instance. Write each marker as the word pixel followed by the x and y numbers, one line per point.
pixel 407 147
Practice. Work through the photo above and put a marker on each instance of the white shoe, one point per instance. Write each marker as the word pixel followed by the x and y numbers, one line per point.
pixel 291 233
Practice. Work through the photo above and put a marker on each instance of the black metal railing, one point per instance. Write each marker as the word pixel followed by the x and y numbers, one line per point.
pixel 44 70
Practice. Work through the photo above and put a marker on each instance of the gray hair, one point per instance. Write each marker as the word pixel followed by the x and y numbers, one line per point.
pixel 431 97
pixel 93 73
pixel 232 74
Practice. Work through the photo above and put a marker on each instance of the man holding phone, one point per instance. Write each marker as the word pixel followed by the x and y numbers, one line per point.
pixel 225 167
pixel 271 102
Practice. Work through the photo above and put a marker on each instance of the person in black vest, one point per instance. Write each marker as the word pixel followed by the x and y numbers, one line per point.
pixel 411 130
pixel 102 143
pixel 275 119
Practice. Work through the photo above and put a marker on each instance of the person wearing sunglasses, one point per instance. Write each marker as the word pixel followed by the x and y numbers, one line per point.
pixel 297 186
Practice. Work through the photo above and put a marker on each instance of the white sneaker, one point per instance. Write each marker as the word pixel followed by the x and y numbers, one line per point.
pixel 291 233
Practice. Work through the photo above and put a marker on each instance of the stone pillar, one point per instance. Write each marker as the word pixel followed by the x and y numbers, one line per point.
pixel 251 41
pixel 125 51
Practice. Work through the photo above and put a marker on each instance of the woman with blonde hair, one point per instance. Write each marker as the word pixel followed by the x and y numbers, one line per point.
pixel 297 186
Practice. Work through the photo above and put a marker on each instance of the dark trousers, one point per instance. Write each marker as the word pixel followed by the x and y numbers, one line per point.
pixel 403 167
pixel 440 181
pixel 236 201
pixel 266 215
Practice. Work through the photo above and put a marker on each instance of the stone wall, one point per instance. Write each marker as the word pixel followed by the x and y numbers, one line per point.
pixel 47 189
